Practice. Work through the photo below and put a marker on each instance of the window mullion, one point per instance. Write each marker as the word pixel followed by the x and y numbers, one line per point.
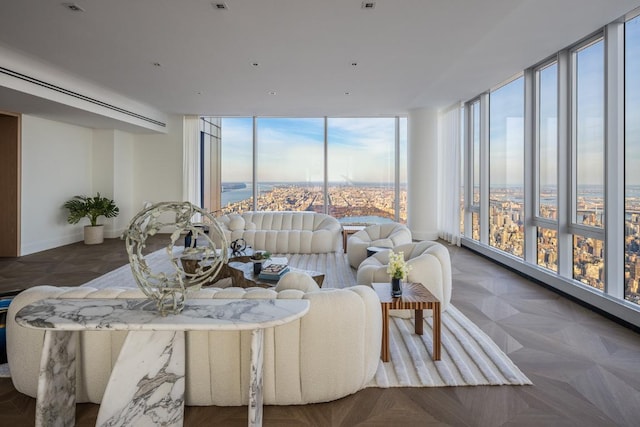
pixel 614 160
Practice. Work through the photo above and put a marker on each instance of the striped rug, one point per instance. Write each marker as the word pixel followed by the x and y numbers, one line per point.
pixel 468 356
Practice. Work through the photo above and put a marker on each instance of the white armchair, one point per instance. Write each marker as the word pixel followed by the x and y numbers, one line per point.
pixel 386 235
pixel 430 265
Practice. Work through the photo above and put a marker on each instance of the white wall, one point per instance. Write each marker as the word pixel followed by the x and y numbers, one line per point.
pixel 60 161
pixel 158 165
pixel 56 165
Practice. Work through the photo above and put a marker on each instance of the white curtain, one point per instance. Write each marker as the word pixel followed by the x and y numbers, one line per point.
pixel 191 160
pixel 449 175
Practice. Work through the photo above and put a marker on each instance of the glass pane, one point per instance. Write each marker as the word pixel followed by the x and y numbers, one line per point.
pixel 547 248
pixel 290 164
pixel 475 147
pixel 237 165
pixel 475 226
pixel 588 261
pixel 632 160
pixel 361 169
pixel 548 141
pixel 506 160
pixel 589 135
pixel 403 169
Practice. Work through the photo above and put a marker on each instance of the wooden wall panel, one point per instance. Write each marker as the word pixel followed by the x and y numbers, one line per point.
pixel 10 163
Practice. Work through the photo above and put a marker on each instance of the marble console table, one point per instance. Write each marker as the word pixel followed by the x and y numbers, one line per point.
pixel 146 386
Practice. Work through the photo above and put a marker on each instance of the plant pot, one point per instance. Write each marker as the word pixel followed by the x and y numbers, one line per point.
pixel 93 234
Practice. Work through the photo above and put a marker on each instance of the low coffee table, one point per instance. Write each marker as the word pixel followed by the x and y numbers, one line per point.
pixel 242 275
pixel 414 297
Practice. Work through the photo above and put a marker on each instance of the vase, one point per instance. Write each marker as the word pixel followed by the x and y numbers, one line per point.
pixel 396 287
pixel 257 267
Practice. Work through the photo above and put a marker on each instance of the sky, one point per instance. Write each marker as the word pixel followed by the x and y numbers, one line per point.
pixel 292 149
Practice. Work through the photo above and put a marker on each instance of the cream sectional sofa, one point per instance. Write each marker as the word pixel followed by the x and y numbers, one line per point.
pixel 329 353
pixel 284 232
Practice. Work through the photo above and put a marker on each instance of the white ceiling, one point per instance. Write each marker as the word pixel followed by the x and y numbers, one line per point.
pixel 409 53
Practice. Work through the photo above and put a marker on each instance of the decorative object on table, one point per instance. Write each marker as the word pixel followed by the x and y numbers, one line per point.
pixel 398 270
pixel 195 266
pixel 92 208
pixel 273 272
pixel 191 241
pixel 238 246
pixel 258 258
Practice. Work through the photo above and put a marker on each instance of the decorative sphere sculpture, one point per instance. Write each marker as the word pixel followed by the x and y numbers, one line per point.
pixel 169 289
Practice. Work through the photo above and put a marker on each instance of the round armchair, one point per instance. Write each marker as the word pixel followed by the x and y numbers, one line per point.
pixel 430 265
pixel 387 235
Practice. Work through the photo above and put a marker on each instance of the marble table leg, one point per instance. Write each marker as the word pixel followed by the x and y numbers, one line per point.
pixel 56 398
pixel 146 386
pixel 255 388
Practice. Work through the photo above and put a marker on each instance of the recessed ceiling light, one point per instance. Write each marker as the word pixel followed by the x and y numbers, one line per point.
pixel 255 64
pixel 73 7
pixel 347 93
pixel 220 6
pixel 368 5
pixel 157 64
pixel 272 92
pixel 354 64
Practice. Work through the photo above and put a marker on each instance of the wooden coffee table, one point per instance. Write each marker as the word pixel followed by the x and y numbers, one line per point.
pixel 414 297
pixel 242 275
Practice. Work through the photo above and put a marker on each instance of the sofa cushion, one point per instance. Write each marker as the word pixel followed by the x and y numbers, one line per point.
pixel 297 280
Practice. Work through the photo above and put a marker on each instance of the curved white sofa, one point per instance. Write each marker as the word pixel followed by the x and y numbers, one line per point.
pixel 284 232
pixel 387 235
pixel 430 265
pixel 329 353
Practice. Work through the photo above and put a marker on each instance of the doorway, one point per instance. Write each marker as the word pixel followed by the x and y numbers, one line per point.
pixel 10 184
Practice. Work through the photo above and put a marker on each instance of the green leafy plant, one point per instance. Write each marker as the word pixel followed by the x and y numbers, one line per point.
pixel 90 207
pixel 261 256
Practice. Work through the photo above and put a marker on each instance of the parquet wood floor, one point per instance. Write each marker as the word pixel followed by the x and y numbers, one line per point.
pixel 585 368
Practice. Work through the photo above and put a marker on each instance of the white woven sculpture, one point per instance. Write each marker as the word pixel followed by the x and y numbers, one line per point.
pixel 168 290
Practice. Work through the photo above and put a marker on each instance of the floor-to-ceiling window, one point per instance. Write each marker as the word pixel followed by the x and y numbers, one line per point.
pixel 546 144
pixel 506 176
pixel 290 164
pixel 361 172
pixel 474 131
pixel 559 135
pixel 237 167
pixel 588 103
pixel 286 164
pixel 632 161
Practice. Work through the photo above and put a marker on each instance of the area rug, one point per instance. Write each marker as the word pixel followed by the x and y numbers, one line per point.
pixel 468 356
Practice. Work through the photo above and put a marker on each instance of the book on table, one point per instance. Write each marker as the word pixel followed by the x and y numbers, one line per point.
pixel 273 271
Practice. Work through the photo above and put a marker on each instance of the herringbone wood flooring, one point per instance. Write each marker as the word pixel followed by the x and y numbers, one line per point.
pixel 585 368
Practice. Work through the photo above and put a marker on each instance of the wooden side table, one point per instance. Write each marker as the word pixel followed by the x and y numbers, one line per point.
pixel 414 297
pixel 347 230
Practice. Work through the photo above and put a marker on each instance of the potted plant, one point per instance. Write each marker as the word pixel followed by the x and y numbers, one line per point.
pixel 398 270
pixel 91 207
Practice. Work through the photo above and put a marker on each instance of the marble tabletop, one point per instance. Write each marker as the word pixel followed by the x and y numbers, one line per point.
pixel 142 314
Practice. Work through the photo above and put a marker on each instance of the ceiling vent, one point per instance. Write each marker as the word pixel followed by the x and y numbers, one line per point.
pixel 368 5
pixel 73 7
pixel 220 6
